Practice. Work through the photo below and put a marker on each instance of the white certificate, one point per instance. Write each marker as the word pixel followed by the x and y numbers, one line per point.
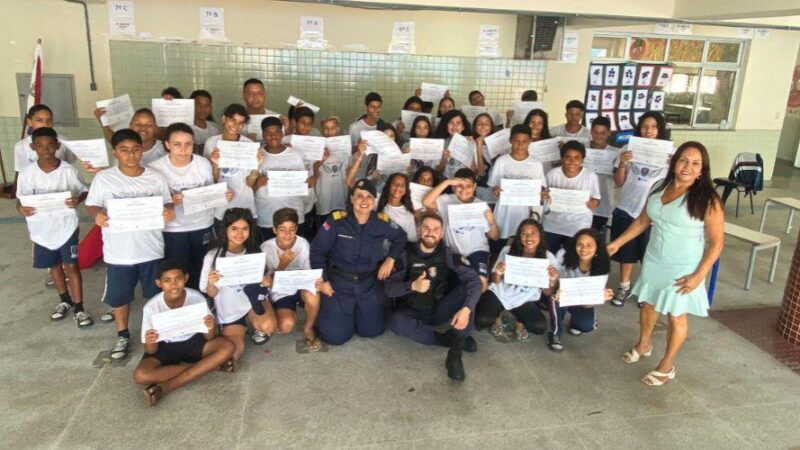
pixel 178 322
pixel 92 151
pixel 418 192
pixel 520 192
pixel 640 101
pixel 521 110
pixel 340 149
pixel 48 205
pixel 432 92
pixel 527 271
pixel 311 147
pixel 569 200
pixel 650 151
pixel 127 215
pixel 119 112
pixel 468 215
pixel 426 149
pixel 600 161
pixel 204 198
pixel 254 125
pixel 294 101
pixel 609 100
pixel 612 75
pixel 473 111
pixel 389 163
pixel 287 183
pixel 596 75
pixel 545 150
pixel 408 118
pixel 498 143
pixel 238 154
pixel 628 75
pixel 625 121
pixel 657 101
pixel 593 100
pixel 460 150
pixel 239 270
pixel 168 112
pixel 379 143
pixel 291 281
pixel 625 99
pixel 582 291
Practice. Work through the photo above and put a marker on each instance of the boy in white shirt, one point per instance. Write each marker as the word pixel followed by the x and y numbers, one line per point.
pixel 143 122
pixel 601 131
pixel 573 128
pixel 303 121
pixel 560 227
pixel 373 103
pixel 168 364
pixel 203 126
pixel 288 251
pixel 55 238
pixel 131 257
pixel 38 116
pixel 331 189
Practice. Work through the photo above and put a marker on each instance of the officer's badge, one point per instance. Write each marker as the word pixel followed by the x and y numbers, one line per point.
pixel 339 214
pixel 432 272
pixel 384 217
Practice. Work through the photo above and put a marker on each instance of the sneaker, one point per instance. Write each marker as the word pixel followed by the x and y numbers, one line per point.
pixel 554 343
pixel 107 316
pixel 575 332
pixel 83 319
pixel 120 349
pixel 61 311
pixel 620 296
pixel 260 338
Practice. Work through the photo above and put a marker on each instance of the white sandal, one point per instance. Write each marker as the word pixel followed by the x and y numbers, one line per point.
pixel 654 378
pixel 632 356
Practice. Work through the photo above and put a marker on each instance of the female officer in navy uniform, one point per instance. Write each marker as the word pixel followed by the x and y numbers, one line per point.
pixel 350 248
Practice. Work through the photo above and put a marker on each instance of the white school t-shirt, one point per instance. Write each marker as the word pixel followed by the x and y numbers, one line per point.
pixel 51 232
pixel 355 129
pixel 155 152
pixel 561 131
pixel 195 174
pixel 331 189
pixel 266 206
pixel 509 217
pixel 639 180
pixel 157 305
pixel 465 240
pixel 236 179
pixel 301 260
pixel 201 135
pixel 606 206
pixel 231 303
pixel 403 218
pixel 513 295
pixel 563 271
pixel 137 246
pixel 24 155
pixel 567 224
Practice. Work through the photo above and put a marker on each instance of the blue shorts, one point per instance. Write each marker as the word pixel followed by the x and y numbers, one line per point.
pixel 44 258
pixel 121 282
pixel 288 302
pixel 479 262
pixel 173 353
pixel 633 251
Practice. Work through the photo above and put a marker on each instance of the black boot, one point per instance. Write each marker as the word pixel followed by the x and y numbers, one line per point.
pixel 455 368
pixel 470 345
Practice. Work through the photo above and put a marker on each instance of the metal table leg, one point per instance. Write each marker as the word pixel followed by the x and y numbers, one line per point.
pixel 749 277
pixel 763 216
pixel 774 264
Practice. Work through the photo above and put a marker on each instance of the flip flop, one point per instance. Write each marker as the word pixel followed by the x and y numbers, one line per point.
pixel 153 394
pixel 632 356
pixel 228 366
pixel 313 345
pixel 654 378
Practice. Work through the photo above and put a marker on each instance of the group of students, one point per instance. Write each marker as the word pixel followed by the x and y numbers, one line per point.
pixel 357 224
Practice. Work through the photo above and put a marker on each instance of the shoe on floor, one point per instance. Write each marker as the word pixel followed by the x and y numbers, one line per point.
pixel 259 338
pixel 62 309
pixel 470 345
pixel 455 368
pixel 575 332
pixel 120 349
pixel 107 316
pixel 83 319
pixel 554 343
pixel 620 296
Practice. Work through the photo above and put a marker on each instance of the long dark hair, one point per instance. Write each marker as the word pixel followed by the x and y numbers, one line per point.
pixel 601 263
pixel 405 200
pixel 701 193
pixel 516 244
pixel 441 130
pixel 444 99
pixel 413 131
pixel 545 125
pixel 437 177
pixel 474 122
pixel 220 243
pixel 660 122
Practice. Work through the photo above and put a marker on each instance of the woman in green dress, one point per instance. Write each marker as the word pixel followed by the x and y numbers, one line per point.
pixel 686 214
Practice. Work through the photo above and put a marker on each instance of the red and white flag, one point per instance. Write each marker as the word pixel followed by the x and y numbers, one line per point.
pixel 35 88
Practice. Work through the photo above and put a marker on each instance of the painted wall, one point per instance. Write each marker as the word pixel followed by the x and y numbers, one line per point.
pixel 790 133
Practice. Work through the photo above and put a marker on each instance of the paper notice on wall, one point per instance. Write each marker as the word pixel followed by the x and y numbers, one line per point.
pixel 761 33
pixel 569 47
pixel 402 38
pixel 312 33
pixel 212 24
pixel 744 33
pixel 489 41
pixel 120 18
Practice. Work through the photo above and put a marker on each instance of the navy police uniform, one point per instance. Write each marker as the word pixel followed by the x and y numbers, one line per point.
pixel 350 254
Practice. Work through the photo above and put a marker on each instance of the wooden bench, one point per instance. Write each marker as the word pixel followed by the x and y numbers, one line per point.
pixel 759 241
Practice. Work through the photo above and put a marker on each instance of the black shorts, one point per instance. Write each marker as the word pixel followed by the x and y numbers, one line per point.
pixel 173 353
pixel 288 302
pixel 240 321
pixel 44 258
pixel 633 251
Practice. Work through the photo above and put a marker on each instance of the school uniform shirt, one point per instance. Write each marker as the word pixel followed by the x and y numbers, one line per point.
pixel 230 303
pixel 137 246
pixel 149 156
pixel 639 180
pixel 563 271
pixel 24 155
pixel 508 217
pixel 606 206
pixel 236 179
pixel 266 206
pixel 465 240
pixel 157 305
pixel 51 232
pixel 310 200
pixel 561 131
pixel 355 129
pixel 567 224
pixel 201 135
pixel 514 295
pixel 272 253
pixel 331 190
pixel 195 174
pixel 404 218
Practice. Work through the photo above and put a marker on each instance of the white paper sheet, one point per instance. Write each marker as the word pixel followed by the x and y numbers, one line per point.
pixel 521 110
pixel 92 151
pixel 611 75
pixel 287 183
pixel 127 215
pixel 664 76
pixel 645 76
pixel 593 100
pixel 379 143
pixel 182 321
pixel 294 101
pixel 408 117
pixel 582 291
pixel 389 163
pixel 498 143
pixel 121 20
pixel 204 198
pixel 520 192
pixel 426 149
pixel 254 125
pixel 609 100
pixel 569 200
pixel 527 271
pixel 650 151
pixel 473 111
pixel 239 270
pixel 546 150
pixel 596 75
pixel 119 112
pixel 460 150
pixel 47 205
pixel 311 147
pixel 418 192
pixel 291 281
pixel 212 23
pixel 168 112
pixel 468 215
pixel 238 154
pixel 432 92
pixel 640 101
pixel 625 99
pixel 340 149
pixel 629 75
pixel 600 162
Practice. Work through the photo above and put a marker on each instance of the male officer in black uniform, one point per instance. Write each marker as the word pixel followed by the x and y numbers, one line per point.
pixel 431 291
pixel 349 247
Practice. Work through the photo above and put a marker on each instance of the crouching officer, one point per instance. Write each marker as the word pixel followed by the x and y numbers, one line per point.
pixel 350 248
pixel 431 292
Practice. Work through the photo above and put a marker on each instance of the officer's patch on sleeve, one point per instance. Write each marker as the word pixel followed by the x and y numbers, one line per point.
pixel 383 216
pixel 339 214
pixel 326 226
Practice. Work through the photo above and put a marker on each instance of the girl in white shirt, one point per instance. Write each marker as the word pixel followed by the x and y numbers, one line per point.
pixel 203 126
pixel 423 129
pixel 395 200
pixel 455 122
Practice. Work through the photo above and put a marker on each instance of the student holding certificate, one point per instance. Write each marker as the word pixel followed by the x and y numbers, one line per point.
pixel 168 364
pixel 422 129
pixel 331 189
pixel 573 128
pixel 601 131
pixel 375 175
pixel 143 123
pixel 55 232
pixel 373 103
pixel 528 242
pixel 395 200
pixel 446 104
pixel 203 126
pixel 413 104
pixel 38 116
pixel 303 122
pixel 583 256
pixel 482 127
pixel 131 257
pixel 237 304
pixel 455 122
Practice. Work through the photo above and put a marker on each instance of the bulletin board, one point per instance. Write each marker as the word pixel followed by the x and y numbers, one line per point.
pixel 624 91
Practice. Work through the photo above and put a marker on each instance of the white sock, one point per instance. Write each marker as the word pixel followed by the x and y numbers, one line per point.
pixel 625 285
